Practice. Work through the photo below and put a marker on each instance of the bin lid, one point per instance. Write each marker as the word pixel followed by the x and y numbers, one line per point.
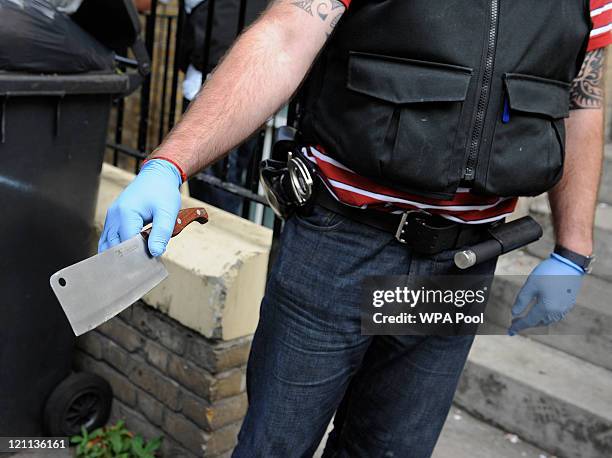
pixel 14 84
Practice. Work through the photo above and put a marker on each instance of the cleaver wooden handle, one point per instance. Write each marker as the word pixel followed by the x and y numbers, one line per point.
pixel 185 217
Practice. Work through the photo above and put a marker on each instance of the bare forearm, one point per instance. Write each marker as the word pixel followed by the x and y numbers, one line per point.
pixel 259 74
pixel 574 199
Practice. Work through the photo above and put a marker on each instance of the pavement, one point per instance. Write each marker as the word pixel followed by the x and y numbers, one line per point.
pixel 463 436
pixel 64 453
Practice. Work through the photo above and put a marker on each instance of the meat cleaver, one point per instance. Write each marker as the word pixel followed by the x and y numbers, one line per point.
pixel 96 289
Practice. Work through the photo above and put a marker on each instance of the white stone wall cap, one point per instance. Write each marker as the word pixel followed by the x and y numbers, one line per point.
pixel 217 270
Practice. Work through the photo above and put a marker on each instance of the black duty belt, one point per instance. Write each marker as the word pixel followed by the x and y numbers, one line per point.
pixel 420 231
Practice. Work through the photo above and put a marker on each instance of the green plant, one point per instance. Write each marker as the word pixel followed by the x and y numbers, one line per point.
pixel 114 441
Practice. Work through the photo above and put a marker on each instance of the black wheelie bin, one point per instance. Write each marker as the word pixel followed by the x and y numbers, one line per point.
pixel 58 80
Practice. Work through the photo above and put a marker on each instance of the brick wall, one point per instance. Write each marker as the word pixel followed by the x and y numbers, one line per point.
pixel 170 381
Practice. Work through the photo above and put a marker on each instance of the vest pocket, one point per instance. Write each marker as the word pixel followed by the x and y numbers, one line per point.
pixel 405 115
pixel 528 148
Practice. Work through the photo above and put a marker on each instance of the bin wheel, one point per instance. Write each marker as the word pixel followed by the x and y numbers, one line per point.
pixel 80 400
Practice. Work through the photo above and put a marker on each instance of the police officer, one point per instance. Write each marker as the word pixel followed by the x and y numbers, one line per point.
pixel 448 107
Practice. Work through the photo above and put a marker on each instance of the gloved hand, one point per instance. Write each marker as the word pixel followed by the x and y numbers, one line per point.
pixel 554 296
pixel 153 196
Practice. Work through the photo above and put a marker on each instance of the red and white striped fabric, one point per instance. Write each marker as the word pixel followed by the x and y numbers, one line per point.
pixel 358 191
pixel 601 15
pixel 352 189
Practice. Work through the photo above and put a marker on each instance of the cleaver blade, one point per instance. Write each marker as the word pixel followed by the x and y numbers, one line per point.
pixel 96 289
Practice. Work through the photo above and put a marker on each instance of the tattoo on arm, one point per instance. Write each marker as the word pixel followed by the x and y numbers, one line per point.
pixel 329 11
pixel 587 90
pixel 305 5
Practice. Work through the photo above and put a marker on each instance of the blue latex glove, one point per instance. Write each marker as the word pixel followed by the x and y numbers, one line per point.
pixel 554 285
pixel 153 196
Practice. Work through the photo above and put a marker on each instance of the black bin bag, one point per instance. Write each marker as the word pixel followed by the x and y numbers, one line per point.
pixel 37 38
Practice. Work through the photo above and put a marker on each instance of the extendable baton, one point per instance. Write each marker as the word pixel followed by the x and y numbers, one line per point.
pixel 505 237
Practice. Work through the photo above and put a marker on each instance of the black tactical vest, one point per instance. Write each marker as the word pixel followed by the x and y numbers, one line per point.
pixel 429 95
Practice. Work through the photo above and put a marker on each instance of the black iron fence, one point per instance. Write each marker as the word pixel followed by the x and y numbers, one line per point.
pixel 142 120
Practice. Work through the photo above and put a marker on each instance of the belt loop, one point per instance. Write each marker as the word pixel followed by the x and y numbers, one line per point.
pixel 3 119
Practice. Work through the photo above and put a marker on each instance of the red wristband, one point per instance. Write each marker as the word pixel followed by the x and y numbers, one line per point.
pixel 183 175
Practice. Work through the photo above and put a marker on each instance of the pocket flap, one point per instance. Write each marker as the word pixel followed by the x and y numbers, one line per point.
pixel 399 80
pixel 533 94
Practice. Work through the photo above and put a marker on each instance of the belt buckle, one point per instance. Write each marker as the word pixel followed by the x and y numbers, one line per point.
pixel 401 228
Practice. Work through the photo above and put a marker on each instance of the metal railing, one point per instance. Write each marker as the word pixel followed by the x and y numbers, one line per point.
pixel 159 102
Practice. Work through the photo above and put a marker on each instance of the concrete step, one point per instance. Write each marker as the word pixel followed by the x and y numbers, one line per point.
pixel 588 323
pixel 540 210
pixel 552 399
pixel 464 436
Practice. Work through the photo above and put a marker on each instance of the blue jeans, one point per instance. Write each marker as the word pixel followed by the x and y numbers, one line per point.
pixel 390 394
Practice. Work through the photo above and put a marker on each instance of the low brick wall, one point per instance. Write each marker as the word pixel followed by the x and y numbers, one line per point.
pixel 170 381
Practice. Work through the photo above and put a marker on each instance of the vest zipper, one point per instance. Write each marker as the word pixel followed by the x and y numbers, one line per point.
pixel 481 108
